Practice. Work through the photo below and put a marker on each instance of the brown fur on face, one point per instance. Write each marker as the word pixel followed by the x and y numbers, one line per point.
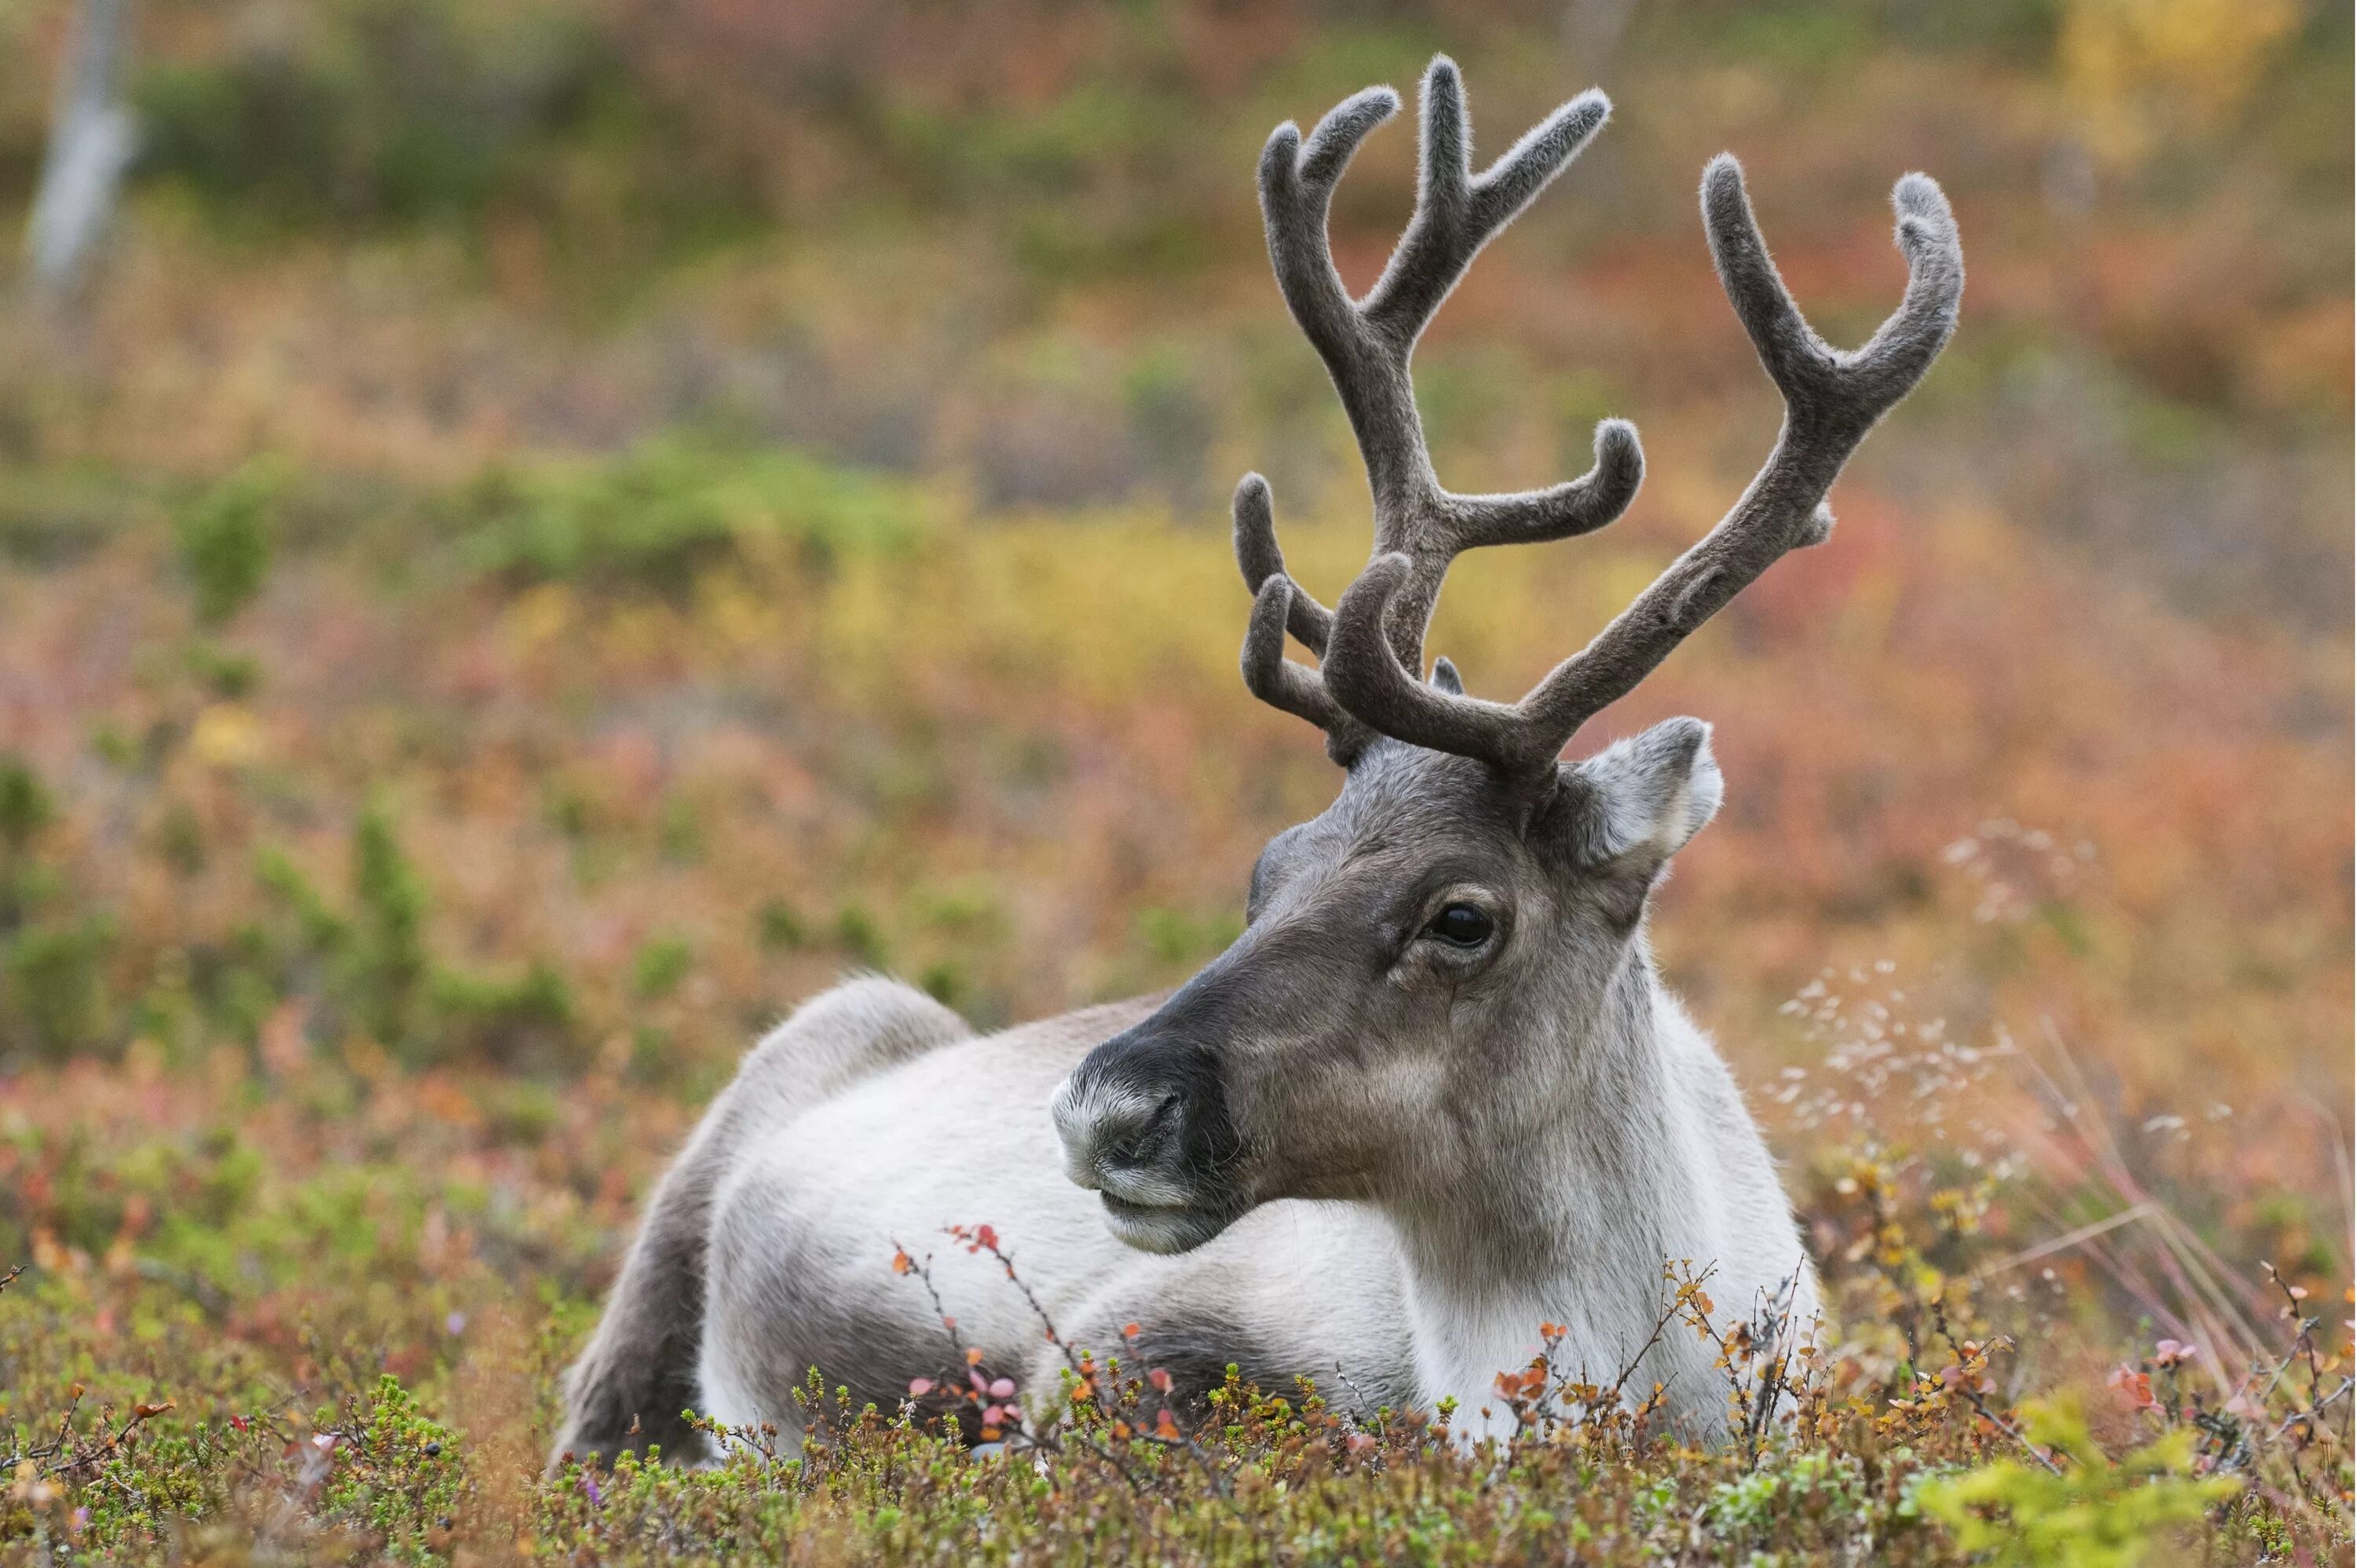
pixel 1342 1048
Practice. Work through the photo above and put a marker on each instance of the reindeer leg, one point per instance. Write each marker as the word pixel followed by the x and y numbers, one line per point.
pixel 638 1374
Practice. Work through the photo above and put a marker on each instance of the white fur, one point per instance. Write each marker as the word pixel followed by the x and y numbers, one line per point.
pixel 962 1135
pixel 1534 1151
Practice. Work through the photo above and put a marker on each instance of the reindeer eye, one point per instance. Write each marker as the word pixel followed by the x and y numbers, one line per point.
pixel 1462 926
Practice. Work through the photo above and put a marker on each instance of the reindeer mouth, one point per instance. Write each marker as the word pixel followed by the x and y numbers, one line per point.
pixel 1165 1227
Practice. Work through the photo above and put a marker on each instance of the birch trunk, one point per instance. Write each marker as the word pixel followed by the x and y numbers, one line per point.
pixel 90 142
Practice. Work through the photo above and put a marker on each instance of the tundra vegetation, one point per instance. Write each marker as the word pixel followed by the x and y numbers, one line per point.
pixel 549 532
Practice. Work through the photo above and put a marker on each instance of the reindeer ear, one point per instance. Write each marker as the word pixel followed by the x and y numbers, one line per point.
pixel 1638 800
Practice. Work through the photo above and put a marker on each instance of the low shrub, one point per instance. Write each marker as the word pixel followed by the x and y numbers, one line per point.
pixel 653 517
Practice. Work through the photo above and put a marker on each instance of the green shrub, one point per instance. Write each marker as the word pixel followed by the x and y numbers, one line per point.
pixel 234 676
pixel 371 968
pixel 387 110
pixel 24 809
pixel 779 927
pixel 661 965
pixel 860 937
pixel 1174 936
pixel 944 980
pixel 25 806
pixel 398 1474
pixel 396 115
pixel 54 986
pixel 654 517
pixel 225 539
pixel 386 962
pixel 506 1020
pixel 2091 1514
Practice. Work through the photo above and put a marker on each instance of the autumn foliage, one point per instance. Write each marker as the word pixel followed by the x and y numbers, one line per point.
pixel 555 530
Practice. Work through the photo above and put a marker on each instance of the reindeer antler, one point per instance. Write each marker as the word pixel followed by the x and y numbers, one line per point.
pixel 1831 400
pixel 1370 647
pixel 1366 346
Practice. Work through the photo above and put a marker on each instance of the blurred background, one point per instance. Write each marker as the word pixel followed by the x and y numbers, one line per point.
pixel 535 536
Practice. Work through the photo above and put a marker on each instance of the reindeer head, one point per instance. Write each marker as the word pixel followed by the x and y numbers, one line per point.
pixel 1428 960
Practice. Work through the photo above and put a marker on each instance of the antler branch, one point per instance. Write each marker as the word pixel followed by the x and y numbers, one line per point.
pixel 1831 400
pixel 1367 346
pixel 1279 605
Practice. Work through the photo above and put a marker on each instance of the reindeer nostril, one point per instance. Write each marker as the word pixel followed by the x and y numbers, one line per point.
pixel 1136 1144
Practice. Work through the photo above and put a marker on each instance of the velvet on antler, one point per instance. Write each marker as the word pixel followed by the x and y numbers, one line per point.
pixel 1366 346
pixel 1370 644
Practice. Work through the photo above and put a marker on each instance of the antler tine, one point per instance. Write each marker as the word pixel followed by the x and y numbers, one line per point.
pixel 1279 605
pixel 1296 190
pixel 1563 511
pixel 1366 345
pixel 1832 400
pixel 1457 214
pixel 1256 553
pixel 1294 688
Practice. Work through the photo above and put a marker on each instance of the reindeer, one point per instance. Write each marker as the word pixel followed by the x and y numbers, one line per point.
pixel 1436 1094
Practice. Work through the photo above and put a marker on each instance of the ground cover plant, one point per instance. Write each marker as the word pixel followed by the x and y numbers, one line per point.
pixel 671 504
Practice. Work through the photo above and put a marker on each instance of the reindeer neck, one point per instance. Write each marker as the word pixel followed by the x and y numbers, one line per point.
pixel 1563 1215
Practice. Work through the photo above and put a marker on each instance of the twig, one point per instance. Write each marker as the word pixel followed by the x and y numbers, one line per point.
pixel 1972 1394
pixel 987 1241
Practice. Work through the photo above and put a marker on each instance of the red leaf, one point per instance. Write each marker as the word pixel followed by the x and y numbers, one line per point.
pixel 986 1237
pixel 919 1387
